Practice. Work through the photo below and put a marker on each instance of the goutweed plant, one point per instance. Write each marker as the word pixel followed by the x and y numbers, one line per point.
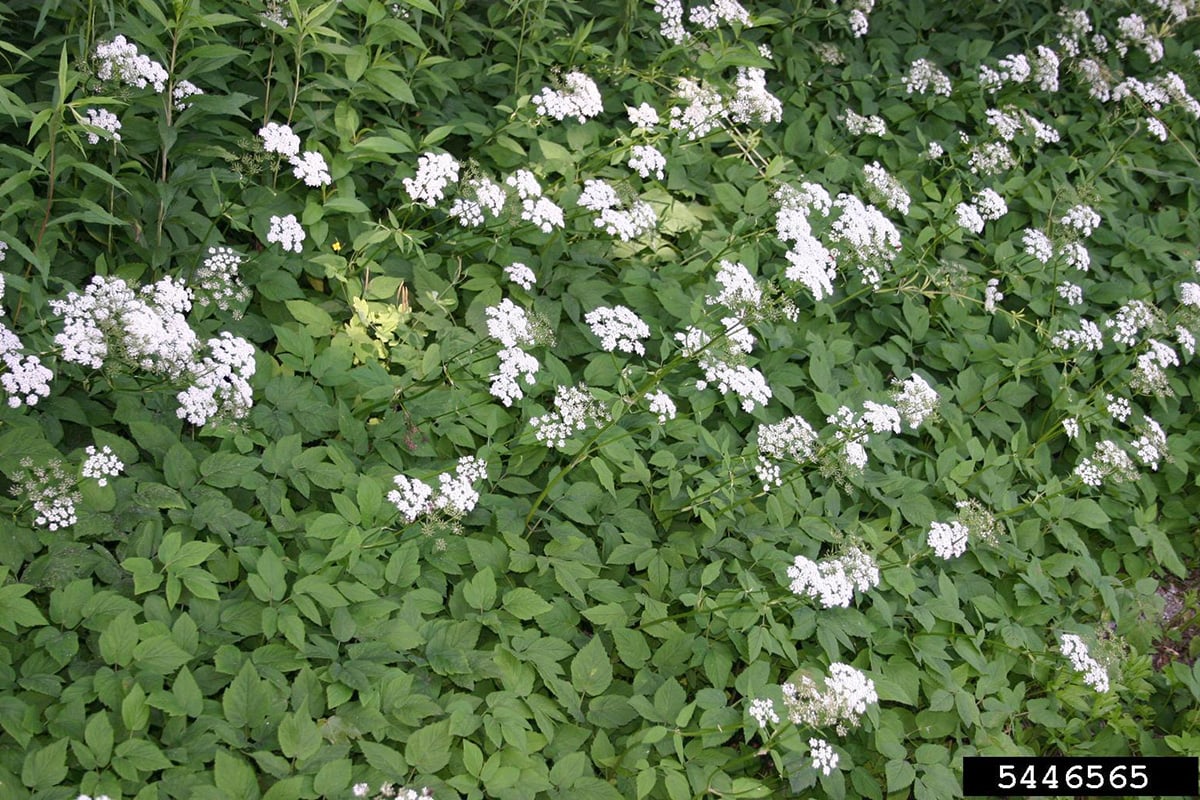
pixel 620 399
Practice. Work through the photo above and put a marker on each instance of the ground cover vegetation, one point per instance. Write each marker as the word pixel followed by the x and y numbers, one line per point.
pixel 608 399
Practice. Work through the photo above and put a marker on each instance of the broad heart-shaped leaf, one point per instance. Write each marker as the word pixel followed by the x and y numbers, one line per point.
pixel 591 669
pixel 428 750
pixel 525 603
pixel 243 701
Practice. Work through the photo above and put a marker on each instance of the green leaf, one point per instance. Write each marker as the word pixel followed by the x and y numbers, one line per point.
pixel 16 611
pixel 46 766
pixel 525 603
pixel 159 655
pixel 98 735
pixel 242 701
pixel 333 778
pixel 900 774
pixel 591 669
pixel 234 777
pixel 140 754
pixel 298 735
pixel 188 693
pixel 480 591
pixel 428 750
pixel 118 640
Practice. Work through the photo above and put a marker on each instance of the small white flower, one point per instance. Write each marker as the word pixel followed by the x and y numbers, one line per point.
pixel 105 120
pixel 823 756
pixel 662 405
pixel 102 464
pixel 521 275
pixel 762 711
pixel 311 168
pixel 435 171
pixel 644 116
pixel 618 328
pixel 279 139
pixel 647 160
pixel 579 98
pixel 948 539
pixel 286 232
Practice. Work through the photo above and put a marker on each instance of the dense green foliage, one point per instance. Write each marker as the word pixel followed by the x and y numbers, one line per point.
pixel 243 613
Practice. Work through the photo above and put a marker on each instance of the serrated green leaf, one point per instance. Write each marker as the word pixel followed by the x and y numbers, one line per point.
pixel 591 669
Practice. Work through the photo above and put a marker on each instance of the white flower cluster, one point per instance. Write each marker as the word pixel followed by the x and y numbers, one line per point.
pixel 991 158
pixel 858 125
pixel 182 91
pixel 1045 68
pixel 390 791
pixel 948 539
pixel 1150 376
pixel 455 497
pixel 810 262
pixel 1087 337
pixel 703 111
pixel 739 292
pixel 1011 69
pixel 924 76
pixel 823 756
pixel 1072 293
pixel 752 102
pixel 26 380
pixel 521 275
pixel 102 464
pixel 279 139
pixel 1011 121
pixel 626 223
pixel 1108 461
pixel 574 410
pixel 106 121
pixel 479 194
pixel 792 439
pixel 434 172
pixel 1132 30
pixel 1076 255
pixel 986 205
pixel 662 405
pixel 1130 320
pixel 762 711
pixel 1094 673
pixel 871 239
pixel 891 191
pixel 671 26
pixel 915 399
pixel 720 11
pixel 618 328
pixel 992 295
pixel 311 168
pixel 749 384
pixel 220 382
pixel 120 60
pixel 51 490
pixel 509 325
pixel 646 160
pixel 847 693
pixel 1038 245
pixel 1151 445
pixel 217 282
pixel 149 331
pixel 579 98
pixel 1083 219
pixel 644 116
pixel 286 232
pixel 1118 407
pixel 834 580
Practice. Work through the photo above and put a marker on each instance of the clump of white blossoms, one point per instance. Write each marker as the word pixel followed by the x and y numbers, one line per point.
pixel 823 756
pixel 752 102
pixel 101 464
pixel 220 382
pixel 618 328
pixel 1130 320
pixel 574 410
pixel 869 238
pixel 579 97
pixel 710 16
pixel 217 282
pixel 390 791
pixel 986 205
pixel 1094 673
pixel 791 439
pixel 892 193
pixel 51 490
pixel 1151 446
pixel 508 324
pixel 106 121
pixel 948 539
pixel 182 91
pixel 662 405
pixel 455 497
pixel 1038 245
pixel 1087 337
pixel 1072 293
pixel 311 168
pixel 671 26
pixel 286 232
pixel 279 139
pixel 810 262
pixel 703 112
pixel 1107 462
pixel 26 379
pixel 749 384
pixel 617 220
pixel 1083 219
pixel 120 60
pixel 477 195
pixel 644 116
pixel 834 581
pixel 842 702
pixel 646 160
pixel 924 76
pixel 739 291
pixel 762 711
pixel 521 275
pixel 435 171
pixel 915 400
pixel 858 125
